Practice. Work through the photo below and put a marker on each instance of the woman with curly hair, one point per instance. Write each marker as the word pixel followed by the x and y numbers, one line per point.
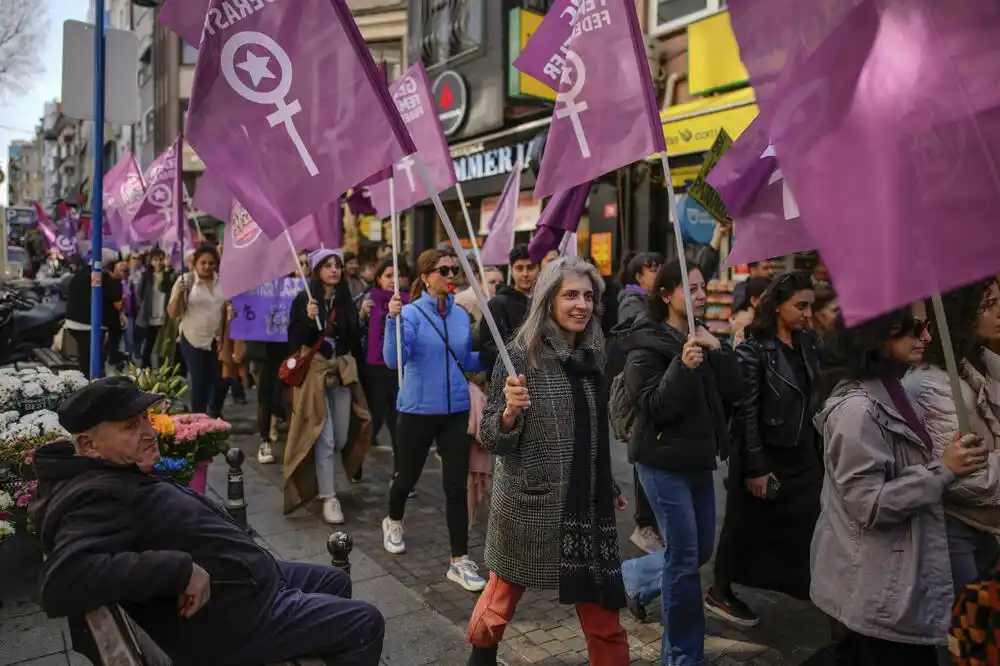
pixel 972 505
pixel 880 551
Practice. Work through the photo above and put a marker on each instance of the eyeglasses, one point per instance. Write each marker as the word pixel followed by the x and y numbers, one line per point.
pixel 446 271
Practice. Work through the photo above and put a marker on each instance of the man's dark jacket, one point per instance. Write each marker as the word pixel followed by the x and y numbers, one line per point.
pixel 78 299
pixel 114 535
pixel 509 308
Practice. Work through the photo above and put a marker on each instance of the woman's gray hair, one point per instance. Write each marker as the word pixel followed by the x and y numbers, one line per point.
pixel 540 322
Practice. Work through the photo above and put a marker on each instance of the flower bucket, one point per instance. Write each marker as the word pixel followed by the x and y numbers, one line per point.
pixel 52 402
pixel 31 405
pixel 200 480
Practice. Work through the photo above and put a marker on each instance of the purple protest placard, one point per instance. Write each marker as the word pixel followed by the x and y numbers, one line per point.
pixel 376 323
pixel 261 314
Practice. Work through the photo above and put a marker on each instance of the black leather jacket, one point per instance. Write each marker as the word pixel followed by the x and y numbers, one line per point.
pixel 773 410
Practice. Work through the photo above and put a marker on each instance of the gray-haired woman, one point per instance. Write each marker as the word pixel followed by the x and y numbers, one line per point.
pixel 552 523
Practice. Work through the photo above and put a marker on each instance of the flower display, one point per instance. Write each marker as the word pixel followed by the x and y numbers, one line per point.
pixel 6 530
pixel 6 527
pixel 20 436
pixel 193 437
pixel 30 389
pixel 178 469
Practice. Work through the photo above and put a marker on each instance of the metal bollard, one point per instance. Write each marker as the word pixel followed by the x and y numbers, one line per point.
pixel 340 545
pixel 236 505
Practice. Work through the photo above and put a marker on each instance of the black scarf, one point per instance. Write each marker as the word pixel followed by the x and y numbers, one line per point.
pixel 591 568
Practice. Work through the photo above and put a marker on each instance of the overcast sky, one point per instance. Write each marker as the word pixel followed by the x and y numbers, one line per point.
pixel 20 115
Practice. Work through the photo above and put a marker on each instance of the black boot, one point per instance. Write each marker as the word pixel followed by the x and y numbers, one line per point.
pixel 483 656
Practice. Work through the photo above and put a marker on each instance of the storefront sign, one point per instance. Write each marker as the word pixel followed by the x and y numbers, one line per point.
pixel 493 162
pixel 692 127
pixel 522 26
pixel 452 98
pixel 528 212
pixel 697 224
pixel 713 56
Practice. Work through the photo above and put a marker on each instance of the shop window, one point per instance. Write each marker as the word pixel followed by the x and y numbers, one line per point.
pixel 392 54
pixel 669 15
pixel 448 29
pixel 148 124
pixel 189 54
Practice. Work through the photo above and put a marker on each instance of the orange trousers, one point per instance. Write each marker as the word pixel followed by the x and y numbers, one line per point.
pixel 607 642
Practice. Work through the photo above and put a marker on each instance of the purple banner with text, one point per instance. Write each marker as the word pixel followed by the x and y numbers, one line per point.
pixel 261 314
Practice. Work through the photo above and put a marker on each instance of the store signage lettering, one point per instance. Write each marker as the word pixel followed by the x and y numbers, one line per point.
pixel 495 162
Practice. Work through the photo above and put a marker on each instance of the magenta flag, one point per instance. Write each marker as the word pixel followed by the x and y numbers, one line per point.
pixel 160 211
pixel 605 113
pixel 503 223
pixel 329 224
pixel 360 201
pixel 187 17
pixel 123 194
pixel 45 225
pixel 212 196
pixel 560 217
pixel 288 105
pixel 250 258
pixel 544 56
pixel 888 133
pixel 412 94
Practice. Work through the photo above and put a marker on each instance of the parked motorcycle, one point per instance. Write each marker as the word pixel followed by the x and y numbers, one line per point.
pixel 29 319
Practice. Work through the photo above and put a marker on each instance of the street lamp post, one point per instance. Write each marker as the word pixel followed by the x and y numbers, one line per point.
pixel 97 207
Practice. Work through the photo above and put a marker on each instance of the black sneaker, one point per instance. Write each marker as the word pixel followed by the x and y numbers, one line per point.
pixel 483 656
pixel 637 608
pixel 731 609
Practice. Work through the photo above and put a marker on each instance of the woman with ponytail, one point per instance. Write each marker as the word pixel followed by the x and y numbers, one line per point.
pixel 433 404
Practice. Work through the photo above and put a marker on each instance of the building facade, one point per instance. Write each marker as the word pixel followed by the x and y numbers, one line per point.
pixel 26 173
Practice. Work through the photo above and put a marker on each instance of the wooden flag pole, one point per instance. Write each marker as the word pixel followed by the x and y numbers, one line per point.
pixel 453 237
pixel 473 237
pixel 676 221
pixel 394 216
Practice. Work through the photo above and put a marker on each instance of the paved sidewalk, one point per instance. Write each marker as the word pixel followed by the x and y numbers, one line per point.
pixel 543 631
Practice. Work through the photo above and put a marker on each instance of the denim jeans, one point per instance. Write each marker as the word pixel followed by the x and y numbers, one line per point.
pixel 684 506
pixel 332 438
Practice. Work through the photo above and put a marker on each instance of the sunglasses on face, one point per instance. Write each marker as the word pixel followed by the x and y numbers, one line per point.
pixel 446 271
pixel 916 328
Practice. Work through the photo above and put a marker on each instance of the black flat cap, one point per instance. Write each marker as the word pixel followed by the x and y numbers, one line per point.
pixel 104 400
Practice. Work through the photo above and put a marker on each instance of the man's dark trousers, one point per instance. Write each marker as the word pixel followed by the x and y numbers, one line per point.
pixel 314 616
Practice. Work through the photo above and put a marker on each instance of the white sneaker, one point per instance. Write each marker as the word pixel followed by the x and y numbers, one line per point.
pixel 264 454
pixel 332 513
pixel 647 539
pixel 392 536
pixel 465 572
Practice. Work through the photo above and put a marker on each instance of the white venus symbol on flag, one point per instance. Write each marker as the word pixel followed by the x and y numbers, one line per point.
pixel 571 107
pixel 257 67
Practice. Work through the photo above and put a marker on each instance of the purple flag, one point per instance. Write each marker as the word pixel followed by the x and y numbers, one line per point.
pixel 160 212
pixel 250 258
pixel 262 313
pixel 330 225
pixel 187 17
pixel 45 225
pixel 212 196
pixel 360 201
pixel 412 95
pixel 503 223
pixel 288 105
pixel 376 323
pixel 560 217
pixel 123 194
pixel 605 113
pixel 544 56
pixel 889 135
pixel 66 230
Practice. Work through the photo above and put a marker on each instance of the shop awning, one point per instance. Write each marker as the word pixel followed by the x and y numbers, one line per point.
pixel 692 127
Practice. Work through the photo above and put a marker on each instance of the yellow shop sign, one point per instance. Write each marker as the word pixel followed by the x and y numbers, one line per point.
pixel 522 26
pixel 692 127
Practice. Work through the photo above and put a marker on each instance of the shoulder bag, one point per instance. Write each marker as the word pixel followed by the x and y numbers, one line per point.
pixel 294 369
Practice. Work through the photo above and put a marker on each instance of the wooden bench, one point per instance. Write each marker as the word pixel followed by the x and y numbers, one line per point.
pixel 52 360
pixel 120 642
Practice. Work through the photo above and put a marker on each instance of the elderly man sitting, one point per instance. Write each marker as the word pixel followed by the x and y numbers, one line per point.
pixel 179 566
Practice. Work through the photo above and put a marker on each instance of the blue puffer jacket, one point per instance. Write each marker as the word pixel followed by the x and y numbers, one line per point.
pixel 433 383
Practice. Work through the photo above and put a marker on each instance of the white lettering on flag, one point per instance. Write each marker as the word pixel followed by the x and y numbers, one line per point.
pixel 406 164
pixel 571 108
pixel 257 67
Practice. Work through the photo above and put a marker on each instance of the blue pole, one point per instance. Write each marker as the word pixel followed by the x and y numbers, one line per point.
pixel 97 207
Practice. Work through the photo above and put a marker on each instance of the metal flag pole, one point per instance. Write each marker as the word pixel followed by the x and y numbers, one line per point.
pixel 462 259
pixel 302 274
pixel 394 216
pixel 675 220
pixel 97 205
pixel 473 237
pixel 961 410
